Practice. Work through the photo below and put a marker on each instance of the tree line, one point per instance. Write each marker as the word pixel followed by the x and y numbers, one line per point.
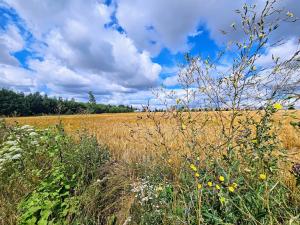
pixel 19 104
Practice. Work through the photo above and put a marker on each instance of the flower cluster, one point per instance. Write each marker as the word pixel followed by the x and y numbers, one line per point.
pixel 221 186
pixel 150 194
pixel 17 143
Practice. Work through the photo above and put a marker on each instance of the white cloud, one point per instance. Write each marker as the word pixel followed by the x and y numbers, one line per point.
pixel 284 51
pixel 17 78
pixel 171 81
pixel 168 23
pixel 10 42
pixel 80 54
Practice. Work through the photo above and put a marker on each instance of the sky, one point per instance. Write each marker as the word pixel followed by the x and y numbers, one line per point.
pixel 118 49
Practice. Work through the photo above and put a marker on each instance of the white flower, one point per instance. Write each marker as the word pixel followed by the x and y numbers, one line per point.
pixel 26 127
pixel 34 143
pixel 32 134
pixel 17 156
pixel 12 143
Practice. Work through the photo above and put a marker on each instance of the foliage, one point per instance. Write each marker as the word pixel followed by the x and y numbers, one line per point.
pixel 19 104
pixel 237 173
pixel 45 173
pixel 242 187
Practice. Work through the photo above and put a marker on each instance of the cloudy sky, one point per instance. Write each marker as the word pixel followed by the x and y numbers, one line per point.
pixel 119 49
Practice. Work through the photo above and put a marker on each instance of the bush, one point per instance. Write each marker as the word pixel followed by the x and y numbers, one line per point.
pixel 44 173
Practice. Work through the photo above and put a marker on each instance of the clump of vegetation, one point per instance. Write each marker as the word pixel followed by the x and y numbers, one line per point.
pixel 45 175
pixel 19 104
pixel 243 185
pixel 237 173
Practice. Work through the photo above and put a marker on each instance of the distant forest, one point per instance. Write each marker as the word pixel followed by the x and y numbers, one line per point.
pixel 19 104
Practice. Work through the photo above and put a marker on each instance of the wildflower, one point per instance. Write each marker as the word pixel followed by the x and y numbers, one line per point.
pixel 199 186
pixel 170 161
pixel 17 156
pixel 32 134
pixel 231 189
pixel 222 200
pixel 178 101
pixel 277 106
pixel 262 176
pixel 221 178
pixel 193 167
pixel 183 126
pixel 254 141
pixel 197 175
pixel 209 183
pixel 234 185
pixel 290 14
pixel 159 188
pixel 218 187
pixel 253 68
pixel 198 158
pixel 261 35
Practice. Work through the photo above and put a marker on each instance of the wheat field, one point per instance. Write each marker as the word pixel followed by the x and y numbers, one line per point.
pixel 115 131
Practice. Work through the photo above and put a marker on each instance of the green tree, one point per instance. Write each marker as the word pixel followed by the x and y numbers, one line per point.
pixel 92 104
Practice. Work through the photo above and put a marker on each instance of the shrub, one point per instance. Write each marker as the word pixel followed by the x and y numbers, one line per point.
pixel 44 173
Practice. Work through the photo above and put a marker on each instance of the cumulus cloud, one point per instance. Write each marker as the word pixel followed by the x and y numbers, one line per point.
pixel 157 24
pixel 284 51
pixel 81 49
pixel 16 78
pixel 10 42
pixel 80 53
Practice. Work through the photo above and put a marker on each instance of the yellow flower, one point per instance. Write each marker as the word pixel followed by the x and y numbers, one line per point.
pixel 178 101
pixel 222 200
pixel 199 186
pixel 261 35
pixel 234 185
pixel 253 68
pixel 209 183
pixel 183 126
pixel 221 178
pixel 254 141
pixel 290 14
pixel 277 106
pixel 170 161
pixel 197 175
pixel 193 167
pixel 262 176
pixel 218 187
pixel 159 188
pixel 231 189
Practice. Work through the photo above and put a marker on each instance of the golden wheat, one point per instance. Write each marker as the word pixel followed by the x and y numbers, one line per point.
pixel 115 130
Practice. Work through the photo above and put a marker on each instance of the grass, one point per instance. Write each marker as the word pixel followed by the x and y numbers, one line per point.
pixel 116 131
pixel 154 175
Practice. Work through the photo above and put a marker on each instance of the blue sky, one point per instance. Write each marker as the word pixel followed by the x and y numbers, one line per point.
pixel 120 50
